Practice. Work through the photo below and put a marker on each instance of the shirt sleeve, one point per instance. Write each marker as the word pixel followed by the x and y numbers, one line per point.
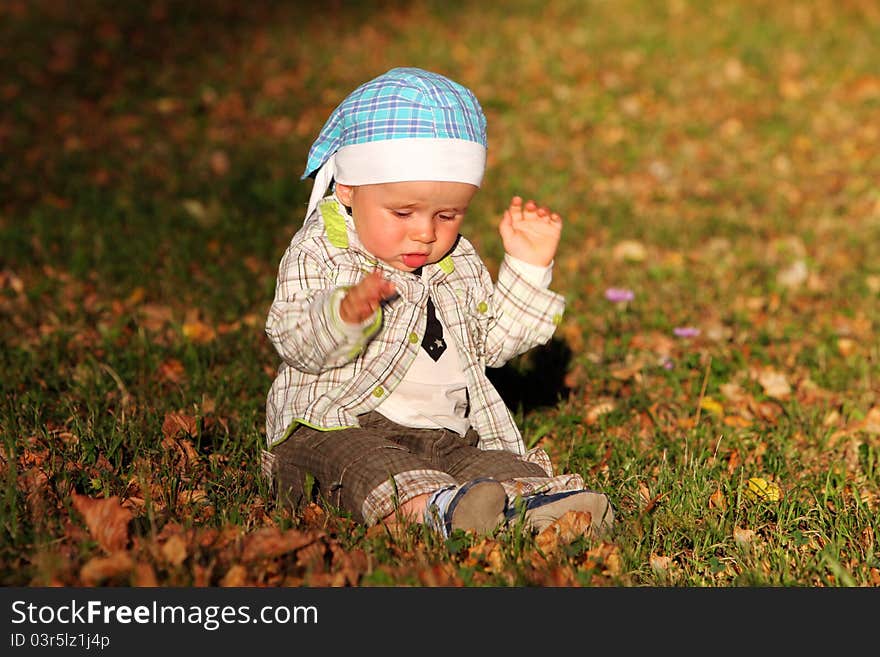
pixel 304 324
pixel 526 313
pixel 534 274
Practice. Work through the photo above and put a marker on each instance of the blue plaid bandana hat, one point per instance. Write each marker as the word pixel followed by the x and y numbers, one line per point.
pixel 407 124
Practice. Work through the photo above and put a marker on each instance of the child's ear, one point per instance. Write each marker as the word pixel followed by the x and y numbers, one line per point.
pixel 343 192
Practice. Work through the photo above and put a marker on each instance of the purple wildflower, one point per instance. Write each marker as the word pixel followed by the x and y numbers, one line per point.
pixel 686 331
pixel 619 294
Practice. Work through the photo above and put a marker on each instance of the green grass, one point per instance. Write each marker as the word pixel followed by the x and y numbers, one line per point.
pixel 149 185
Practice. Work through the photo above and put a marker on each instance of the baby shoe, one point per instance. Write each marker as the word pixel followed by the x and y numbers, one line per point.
pixel 538 511
pixel 477 505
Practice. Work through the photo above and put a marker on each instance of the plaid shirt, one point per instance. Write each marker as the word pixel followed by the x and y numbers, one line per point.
pixel 329 375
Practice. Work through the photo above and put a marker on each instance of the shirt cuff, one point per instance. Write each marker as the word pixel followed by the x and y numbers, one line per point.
pixel 534 274
pixel 352 331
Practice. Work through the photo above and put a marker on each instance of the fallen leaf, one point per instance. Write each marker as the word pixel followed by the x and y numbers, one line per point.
pixel 236 576
pixel 717 500
pixel 106 519
pixel 271 542
pixel 314 515
pixel 846 346
pixel 629 250
pixel 175 423
pixel 758 488
pixel 154 317
pixel 712 406
pixel 793 276
pixel 198 331
pixel 743 537
pixel 171 370
pixel 774 383
pixel 597 410
pixel 144 575
pixel 439 574
pixel 100 569
pixel 660 564
pixel 174 550
pixel 311 557
pixel 567 528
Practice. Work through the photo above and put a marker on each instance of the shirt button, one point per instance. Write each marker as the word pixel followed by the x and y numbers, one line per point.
pixel 482 307
pixel 379 391
pixel 413 338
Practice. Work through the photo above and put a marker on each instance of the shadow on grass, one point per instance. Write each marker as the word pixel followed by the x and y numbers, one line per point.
pixel 535 379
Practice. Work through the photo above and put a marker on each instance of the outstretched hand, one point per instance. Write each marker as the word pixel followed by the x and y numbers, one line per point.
pixel 530 233
pixel 361 300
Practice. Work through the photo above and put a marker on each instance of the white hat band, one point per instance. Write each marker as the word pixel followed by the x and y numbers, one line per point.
pixel 400 160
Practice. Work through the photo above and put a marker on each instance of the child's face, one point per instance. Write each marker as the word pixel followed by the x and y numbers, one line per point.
pixel 408 224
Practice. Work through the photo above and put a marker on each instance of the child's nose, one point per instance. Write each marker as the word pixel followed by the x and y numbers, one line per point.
pixel 423 230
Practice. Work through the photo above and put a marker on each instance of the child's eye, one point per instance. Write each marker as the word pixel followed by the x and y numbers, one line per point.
pixel 448 217
pixel 401 213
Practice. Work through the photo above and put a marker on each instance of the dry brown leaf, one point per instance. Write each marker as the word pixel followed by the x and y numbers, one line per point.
pixel 314 515
pixel 774 383
pixel 174 550
pixel 488 551
pixel 737 421
pixel 271 542
pixel 198 331
pixel 567 528
pixel 629 250
pixel 350 564
pixel 106 519
pixel 598 409
pixel 660 564
pixel 154 317
pixel 608 554
pixel 743 537
pixel 172 370
pixel 176 423
pixel 440 574
pixel 311 556
pixel 235 576
pixel 100 569
pixel 717 501
pixel 144 575
pixel 631 369
pixel 201 575
pixel 867 539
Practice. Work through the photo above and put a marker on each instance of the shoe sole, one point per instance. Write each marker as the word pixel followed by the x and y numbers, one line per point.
pixel 596 504
pixel 480 508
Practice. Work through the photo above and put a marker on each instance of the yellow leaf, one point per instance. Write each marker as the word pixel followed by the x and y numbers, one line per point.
pixel 759 488
pixel 712 406
pixel 198 331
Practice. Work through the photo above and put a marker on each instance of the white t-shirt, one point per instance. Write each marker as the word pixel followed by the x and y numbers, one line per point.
pixel 433 395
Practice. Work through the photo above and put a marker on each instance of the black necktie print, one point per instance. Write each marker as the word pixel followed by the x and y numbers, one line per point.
pixel 433 341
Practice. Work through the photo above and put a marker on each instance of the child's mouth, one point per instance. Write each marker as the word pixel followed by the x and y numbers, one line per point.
pixel 414 260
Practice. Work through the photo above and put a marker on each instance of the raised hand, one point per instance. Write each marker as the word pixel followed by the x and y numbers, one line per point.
pixel 361 300
pixel 530 233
